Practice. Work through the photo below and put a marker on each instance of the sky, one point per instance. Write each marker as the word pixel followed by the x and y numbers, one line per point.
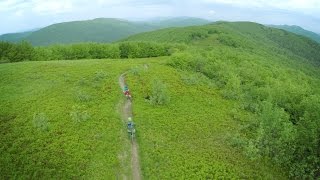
pixel 24 15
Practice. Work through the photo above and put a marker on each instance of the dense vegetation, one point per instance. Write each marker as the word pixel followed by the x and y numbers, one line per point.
pixel 64 115
pixel 58 120
pixel 24 51
pixel 187 136
pixel 233 101
pixel 277 106
pixel 272 76
pixel 300 31
pixel 99 30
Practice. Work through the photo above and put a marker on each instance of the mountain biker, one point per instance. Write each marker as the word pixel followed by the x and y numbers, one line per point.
pixel 131 129
pixel 130 123
pixel 126 92
pixel 125 88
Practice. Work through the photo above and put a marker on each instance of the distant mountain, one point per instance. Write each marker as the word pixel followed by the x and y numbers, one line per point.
pixel 300 31
pixel 96 30
pixel 238 34
pixel 15 37
pixel 178 22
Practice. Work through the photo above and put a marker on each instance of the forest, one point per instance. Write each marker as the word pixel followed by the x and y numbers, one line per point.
pixel 24 51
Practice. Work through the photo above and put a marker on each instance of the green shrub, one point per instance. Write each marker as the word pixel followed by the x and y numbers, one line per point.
pixel 99 76
pixel 79 114
pixel 136 71
pixel 41 121
pixel 228 40
pixel 159 94
pixel 22 51
pixel 181 61
pixel 83 97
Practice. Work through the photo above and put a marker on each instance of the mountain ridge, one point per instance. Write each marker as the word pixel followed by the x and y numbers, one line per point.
pixel 97 30
pixel 299 30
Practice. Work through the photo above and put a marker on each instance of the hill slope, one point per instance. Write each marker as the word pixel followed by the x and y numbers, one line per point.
pixel 15 37
pixel 235 100
pixel 273 77
pixel 178 22
pixel 300 31
pixel 97 30
pixel 65 116
pixel 238 35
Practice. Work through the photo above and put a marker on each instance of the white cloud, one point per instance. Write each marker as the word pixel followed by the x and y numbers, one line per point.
pixel 21 14
pixel 52 6
pixel 212 12
pixel 281 4
pixel 11 5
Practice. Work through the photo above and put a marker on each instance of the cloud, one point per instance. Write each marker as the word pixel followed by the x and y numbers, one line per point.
pixel 52 6
pixel 280 4
pixel 12 5
pixel 40 7
pixel 212 12
pixel 27 14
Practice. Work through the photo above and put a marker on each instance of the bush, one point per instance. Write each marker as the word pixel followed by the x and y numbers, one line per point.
pixel 228 40
pixel 41 121
pixel 22 51
pixel 83 97
pixel 143 49
pixel 159 94
pixel 100 51
pixel 5 48
pixel 79 114
pixel 99 76
pixel 181 61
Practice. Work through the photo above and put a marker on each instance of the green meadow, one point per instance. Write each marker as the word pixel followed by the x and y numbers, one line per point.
pixel 220 101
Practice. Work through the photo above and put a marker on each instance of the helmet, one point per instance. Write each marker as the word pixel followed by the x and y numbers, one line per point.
pixel 129 119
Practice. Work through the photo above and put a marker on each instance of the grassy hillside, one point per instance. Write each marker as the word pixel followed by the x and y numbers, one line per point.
pixel 189 137
pixel 273 77
pixel 300 31
pixel 97 30
pixel 239 101
pixel 245 35
pixel 59 119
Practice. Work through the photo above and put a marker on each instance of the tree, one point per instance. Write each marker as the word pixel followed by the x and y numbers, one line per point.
pixel 22 51
pixel 5 48
pixel 276 134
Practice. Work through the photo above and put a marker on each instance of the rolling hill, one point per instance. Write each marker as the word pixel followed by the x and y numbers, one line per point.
pixel 96 30
pixel 228 100
pixel 15 37
pixel 237 34
pixel 299 30
pixel 177 22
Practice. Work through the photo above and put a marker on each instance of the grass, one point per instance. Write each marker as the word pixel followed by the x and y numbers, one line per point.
pixel 59 119
pixel 240 102
pixel 189 137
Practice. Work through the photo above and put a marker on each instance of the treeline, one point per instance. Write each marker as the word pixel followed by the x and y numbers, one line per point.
pixel 278 107
pixel 24 51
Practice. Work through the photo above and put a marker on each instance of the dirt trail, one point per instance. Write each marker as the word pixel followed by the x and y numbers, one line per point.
pixel 127 112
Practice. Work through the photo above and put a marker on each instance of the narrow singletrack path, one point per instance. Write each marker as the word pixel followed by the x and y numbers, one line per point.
pixel 127 112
